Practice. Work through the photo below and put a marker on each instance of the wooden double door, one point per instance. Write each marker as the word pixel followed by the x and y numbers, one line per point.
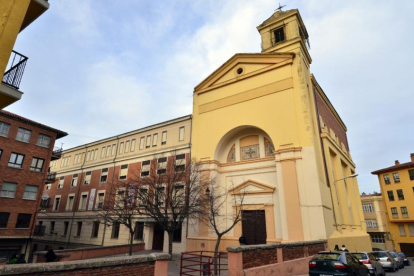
pixel 158 239
pixel 254 226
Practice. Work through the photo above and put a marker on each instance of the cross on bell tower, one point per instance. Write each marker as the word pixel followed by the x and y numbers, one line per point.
pixel 280 7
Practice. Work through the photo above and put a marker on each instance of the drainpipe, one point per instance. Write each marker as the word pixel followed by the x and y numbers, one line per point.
pixel 191 133
pixel 77 197
pixel 110 187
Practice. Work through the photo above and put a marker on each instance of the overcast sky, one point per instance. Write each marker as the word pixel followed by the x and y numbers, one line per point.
pixel 100 68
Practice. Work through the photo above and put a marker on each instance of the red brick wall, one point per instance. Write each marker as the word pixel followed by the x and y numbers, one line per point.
pixel 259 257
pixel 330 120
pixel 315 248
pixel 291 253
pixel 22 176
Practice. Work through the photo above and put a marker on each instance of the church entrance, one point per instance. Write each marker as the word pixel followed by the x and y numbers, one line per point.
pixel 158 240
pixel 254 227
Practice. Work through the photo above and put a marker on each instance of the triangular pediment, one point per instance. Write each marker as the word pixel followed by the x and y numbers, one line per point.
pixel 242 66
pixel 252 187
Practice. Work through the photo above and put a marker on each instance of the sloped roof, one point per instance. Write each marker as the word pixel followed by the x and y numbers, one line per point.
pixel 276 15
pixel 22 119
pixel 395 168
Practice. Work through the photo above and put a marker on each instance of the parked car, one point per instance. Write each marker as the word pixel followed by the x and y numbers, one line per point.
pixel 334 263
pixel 406 261
pixel 386 259
pixel 374 266
pixel 397 258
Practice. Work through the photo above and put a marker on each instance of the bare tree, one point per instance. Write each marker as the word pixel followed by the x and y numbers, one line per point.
pixel 169 190
pixel 120 209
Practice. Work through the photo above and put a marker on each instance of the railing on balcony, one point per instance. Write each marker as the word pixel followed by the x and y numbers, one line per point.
pixel 57 153
pixel 51 177
pixel 45 203
pixel 39 230
pixel 14 73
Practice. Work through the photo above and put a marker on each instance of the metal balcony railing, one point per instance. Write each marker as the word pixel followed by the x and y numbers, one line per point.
pixel 51 177
pixel 39 230
pixel 45 203
pixel 14 73
pixel 57 153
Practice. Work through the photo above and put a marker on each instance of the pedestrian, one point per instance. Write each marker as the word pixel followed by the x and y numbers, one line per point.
pixel 242 240
pixel 50 255
pixel 336 247
pixel 21 259
pixel 344 248
pixel 13 259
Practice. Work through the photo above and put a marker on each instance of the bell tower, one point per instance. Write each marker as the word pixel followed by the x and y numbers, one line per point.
pixel 283 32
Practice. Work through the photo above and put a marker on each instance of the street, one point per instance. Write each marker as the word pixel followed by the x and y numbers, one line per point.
pixel 406 271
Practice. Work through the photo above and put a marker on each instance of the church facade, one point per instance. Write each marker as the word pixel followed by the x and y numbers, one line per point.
pixel 262 125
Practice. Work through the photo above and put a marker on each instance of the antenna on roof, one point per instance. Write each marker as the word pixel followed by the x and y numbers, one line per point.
pixel 280 7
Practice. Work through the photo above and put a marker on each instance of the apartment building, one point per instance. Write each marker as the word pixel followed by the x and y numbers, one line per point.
pixel 376 220
pixel 397 187
pixel 16 15
pixel 86 175
pixel 26 149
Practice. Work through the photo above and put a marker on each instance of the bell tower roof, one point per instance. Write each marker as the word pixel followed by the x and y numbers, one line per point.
pixel 275 16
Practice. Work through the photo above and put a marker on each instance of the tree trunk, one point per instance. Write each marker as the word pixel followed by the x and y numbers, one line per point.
pixel 131 242
pixel 170 242
pixel 216 254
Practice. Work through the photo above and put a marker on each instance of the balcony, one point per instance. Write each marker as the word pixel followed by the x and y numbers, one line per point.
pixel 9 88
pixel 45 203
pixel 36 8
pixel 57 153
pixel 51 178
pixel 39 231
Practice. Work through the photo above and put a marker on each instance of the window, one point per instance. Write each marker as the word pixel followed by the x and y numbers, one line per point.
pixel 74 181
pixel 142 196
pixel 79 230
pixel 368 208
pixel 132 145
pixel 23 220
pixel 148 143
pixel 178 193
pixel 76 160
pixel 155 140
pixel 56 204
pixel 120 198
pixel 30 192
pixel 16 160
pixel 69 204
pixel 127 144
pixel 279 35
pixel 387 179
pixel 145 168
pixel 231 157
pixel 88 155
pixel 401 228
pixel 124 172
pixel 103 152
pixel 139 231
pixel 115 230
pixel 377 238
pixel 141 143
pixel 95 156
pixel 400 194
pixel 45 203
pixel 162 165
pixel 396 177
pixel 108 150
pixel 8 189
pixel 37 164
pixel 4 218
pixel 83 202
pixel 95 229
pixel 181 134
pixel 104 175
pixel 177 234
pixel 404 212
pixel 164 138
pixel 87 178
pixel 113 149
pixel 52 227
pixel 410 229
pixel 411 174
pixel 100 200
pixel 61 181
pixel 180 163
pixel 160 196
pixel 48 186
pixel 371 223
pixel 4 129
pixel 65 227
pixel 121 148
pixel 43 140
pixel 391 195
pixel 23 135
pixel 1 152
pixel 394 212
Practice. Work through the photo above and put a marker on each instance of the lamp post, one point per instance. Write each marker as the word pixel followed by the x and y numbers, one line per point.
pixel 330 189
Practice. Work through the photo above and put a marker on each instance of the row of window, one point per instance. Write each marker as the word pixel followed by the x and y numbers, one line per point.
pixel 124 147
pixel 22 222
pixel 404 212
pixel 179 166
pixel 401 229
pixel 368 208
pixel 8 189
pixel 16 161
pixel 396 177
pixel 83 202
pixel 371 223
pixel 377 238
pixel 400 195
pixel 23 135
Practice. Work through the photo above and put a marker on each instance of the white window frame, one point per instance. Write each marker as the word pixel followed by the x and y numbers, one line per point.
pixel 121 148
pixel 104 174
pixel 69 208
pixel 405 214
pixel 8 193
pixel 54 203
pixel 88 176
pixel 371 223
pixel 23 135
pixel 132 145
pixel 127 145
pixel 368 208
pixel 80 207
pixel 154 139
pixel 108 150
pixel 148 142
pixel 181 134
pixel 141 143
pixel 396 177
pixel 29 195
pixel 61 182
pixel 74 181
pixel 97 199
pixel 401 229
pixel 41 139
pixel 113 149
pixel 4 129
pixel 123 170
pixel 117 198
pixel 103 152
pixel 164 138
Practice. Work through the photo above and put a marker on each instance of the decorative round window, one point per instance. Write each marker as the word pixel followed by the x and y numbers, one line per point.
pixel 239 71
